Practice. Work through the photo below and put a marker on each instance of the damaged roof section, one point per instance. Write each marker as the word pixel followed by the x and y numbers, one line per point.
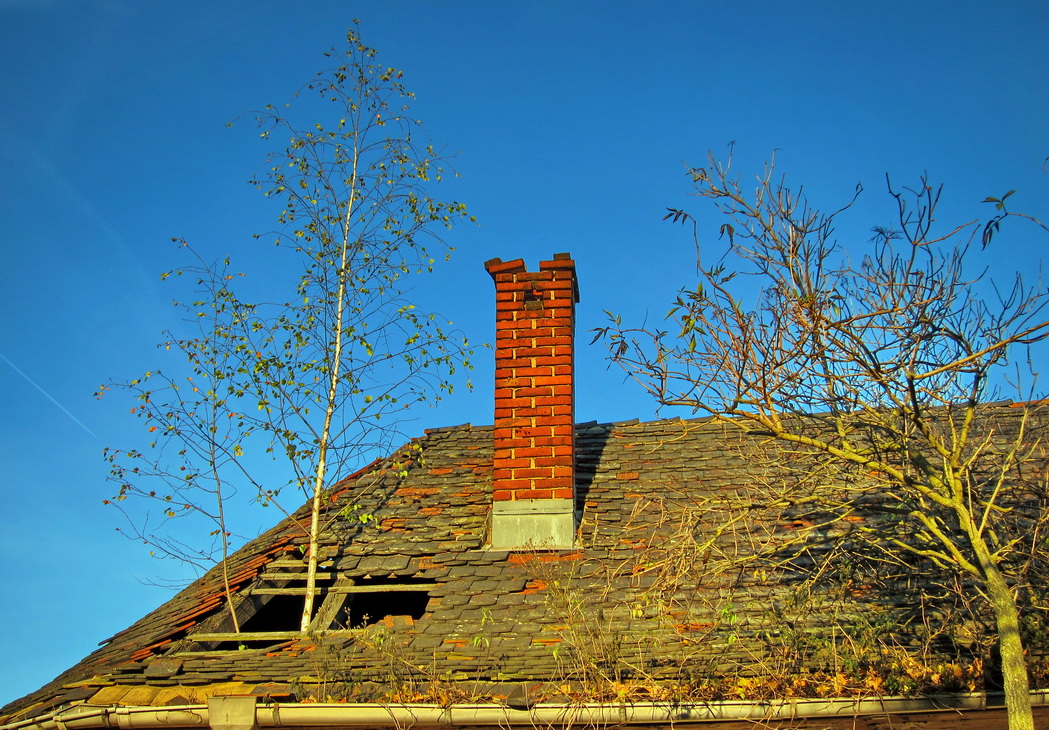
pixel 688 575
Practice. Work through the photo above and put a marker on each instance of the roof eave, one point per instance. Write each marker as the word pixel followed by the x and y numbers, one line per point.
pixel 248 713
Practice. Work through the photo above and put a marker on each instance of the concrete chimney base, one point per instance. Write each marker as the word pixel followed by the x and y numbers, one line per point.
pixel 540 524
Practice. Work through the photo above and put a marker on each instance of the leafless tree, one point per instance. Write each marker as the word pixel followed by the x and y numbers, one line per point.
pixel 884 360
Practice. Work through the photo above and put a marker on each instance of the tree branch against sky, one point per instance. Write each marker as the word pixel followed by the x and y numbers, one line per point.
pixel 881 357
pixel 300 393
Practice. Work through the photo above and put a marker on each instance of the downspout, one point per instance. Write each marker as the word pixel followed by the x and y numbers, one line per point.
pixel 245 713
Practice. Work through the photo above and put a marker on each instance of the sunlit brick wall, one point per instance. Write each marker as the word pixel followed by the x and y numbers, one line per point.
pixel 534 372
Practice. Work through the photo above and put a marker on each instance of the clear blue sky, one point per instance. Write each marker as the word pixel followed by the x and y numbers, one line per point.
pixel 571 120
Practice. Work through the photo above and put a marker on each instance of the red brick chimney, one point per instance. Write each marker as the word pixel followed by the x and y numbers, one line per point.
pixel 533 489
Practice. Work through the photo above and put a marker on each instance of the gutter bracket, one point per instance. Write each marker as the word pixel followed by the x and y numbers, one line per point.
pixel 232 713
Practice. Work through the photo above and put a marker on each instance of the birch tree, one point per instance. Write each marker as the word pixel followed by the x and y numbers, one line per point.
pixel 882 359
pixel 316 383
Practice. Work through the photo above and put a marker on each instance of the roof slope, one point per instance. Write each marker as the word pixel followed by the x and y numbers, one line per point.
pixel 689 568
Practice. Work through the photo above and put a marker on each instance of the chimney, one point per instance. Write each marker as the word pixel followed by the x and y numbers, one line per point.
pixel 533 486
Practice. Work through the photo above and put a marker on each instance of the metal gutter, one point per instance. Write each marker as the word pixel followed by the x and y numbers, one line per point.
pixel 246 713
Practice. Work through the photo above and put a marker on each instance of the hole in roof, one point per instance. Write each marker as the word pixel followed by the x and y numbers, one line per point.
pixel 402 597
pixel 354 604
pixel 280 613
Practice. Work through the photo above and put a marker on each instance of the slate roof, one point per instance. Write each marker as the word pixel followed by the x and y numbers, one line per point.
pixel 645 596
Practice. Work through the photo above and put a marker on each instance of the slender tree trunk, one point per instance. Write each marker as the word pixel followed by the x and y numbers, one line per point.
pixel 319 474
pixel 311 553
pixel 1014 664
pixel 221 514
pixel 225 564
pixel 329 411
pixel 1007 622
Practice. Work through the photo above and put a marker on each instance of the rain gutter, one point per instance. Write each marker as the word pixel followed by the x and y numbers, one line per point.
pixel 247 713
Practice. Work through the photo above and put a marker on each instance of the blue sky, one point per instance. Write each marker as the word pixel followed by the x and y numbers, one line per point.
pixel 571 123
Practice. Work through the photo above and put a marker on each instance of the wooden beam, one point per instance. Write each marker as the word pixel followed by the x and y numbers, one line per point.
pixel 388 588
pixel 296 563
pixel 263 635
pixel 294 576
pixel 331 605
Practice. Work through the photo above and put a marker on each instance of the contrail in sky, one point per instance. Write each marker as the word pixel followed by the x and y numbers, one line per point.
pixel 49 397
